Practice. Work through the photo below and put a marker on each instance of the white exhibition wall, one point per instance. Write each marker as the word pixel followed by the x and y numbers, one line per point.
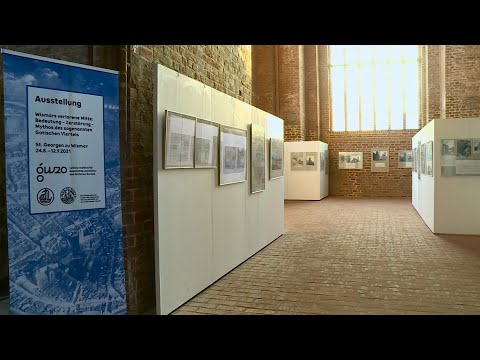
pixel 457 198
pixel 203 230
pixel 423 198
pixel 448 205
pixel 305 184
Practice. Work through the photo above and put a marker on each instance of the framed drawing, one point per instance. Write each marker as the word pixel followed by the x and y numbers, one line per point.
pixel 276 158
pixel 380 160
pixel 257 158
pixel 322 161
pixel 179 141
pixel 297 161
pixel 423 159
pixel 419 160
pixel 206 144
pixel 311 159
pixel 233 155
pixel 405 159
pixel 326 162
pixel 350 160
pixel 429 158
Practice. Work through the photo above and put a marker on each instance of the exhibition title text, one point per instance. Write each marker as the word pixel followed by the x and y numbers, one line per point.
pixel 57 101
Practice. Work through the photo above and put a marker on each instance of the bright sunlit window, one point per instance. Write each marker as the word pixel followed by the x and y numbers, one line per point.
pixel 374 87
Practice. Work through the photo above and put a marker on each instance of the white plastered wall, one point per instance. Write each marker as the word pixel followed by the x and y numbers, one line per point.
pixel 457 198
pixel 305 184
pixel 203 230
pixel 423 190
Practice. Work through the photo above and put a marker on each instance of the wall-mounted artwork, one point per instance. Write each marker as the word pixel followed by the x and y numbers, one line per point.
pixel 350 160
pixel 206 144
pixel 423 159
pixel 179 140
pixel 322 161
pixel 297 161
pixel 415 161
pixel 257 158
pixel 460 157
pixel 429 158
pixel 311 159
pixel 380 160
pixel 276 158
pixel 233 155
pixel 326 162
pixel 405 159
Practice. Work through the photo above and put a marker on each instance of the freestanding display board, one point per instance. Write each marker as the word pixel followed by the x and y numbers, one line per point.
pixel 64 215
pixel 306 166
pixel 446 193
pixel 207 224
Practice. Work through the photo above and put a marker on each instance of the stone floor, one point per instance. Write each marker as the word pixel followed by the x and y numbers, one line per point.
pixel 351 256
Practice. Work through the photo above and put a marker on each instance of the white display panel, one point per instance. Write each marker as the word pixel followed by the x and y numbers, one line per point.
pixel 203 230
pixel 304 182
pixel 447 204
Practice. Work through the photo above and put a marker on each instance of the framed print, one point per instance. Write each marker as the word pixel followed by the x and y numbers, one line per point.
pixel 423 159
pixel 297 161
pixel 276 158
pixel 429 158
pixel 326 162
pixel 419 160
pixel 405 159
pixel 179 141
pixel 350 160
pixel 414 164
pixel 460 157
pixel 322 161
pixel 233 155
pixel 380 160
pixel 257 158
pixel 311 159
pixel 206 144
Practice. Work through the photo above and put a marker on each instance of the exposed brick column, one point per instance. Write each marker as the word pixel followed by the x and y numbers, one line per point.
pixel 324 91
pixel 462 81
pixel 442 82
pixel 263 77
pixel 290 91
pixel 434 82
pixel 312 120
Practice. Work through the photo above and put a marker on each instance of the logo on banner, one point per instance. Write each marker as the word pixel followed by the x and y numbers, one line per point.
pixel 45 196
pixel 68 195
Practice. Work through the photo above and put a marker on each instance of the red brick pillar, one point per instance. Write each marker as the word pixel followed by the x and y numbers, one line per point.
pixel 264 95
pixel 312 120
pixel 434 81
pixel 462 81
pixel 291 106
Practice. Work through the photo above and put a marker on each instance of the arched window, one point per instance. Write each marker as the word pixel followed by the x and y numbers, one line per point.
pixel 374 87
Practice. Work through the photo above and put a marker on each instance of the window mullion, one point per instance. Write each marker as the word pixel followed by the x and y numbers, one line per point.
pixel 373 90
pixel 404 99
pixel 345 88
pixel 359 92
pixel 389 92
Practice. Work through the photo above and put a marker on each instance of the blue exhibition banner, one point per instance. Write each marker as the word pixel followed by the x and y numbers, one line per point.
pixel 64 215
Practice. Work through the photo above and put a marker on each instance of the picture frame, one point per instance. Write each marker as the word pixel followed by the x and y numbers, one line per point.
pixel 380 160
pixel 405 159
pixel 429 158
pixel 297 161
pixel 206 144
pixel 276 158
pixel 179 141
pixel 350 160
pixel 257 158
pixel 311 160
pixel 232 155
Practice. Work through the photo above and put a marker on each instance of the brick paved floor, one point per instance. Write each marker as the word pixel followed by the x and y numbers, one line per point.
pixel 351 256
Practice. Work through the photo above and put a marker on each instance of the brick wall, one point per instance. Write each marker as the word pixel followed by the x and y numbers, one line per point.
pixel 358 183
pixel 462 81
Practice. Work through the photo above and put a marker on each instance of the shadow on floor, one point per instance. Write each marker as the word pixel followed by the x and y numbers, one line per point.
pixel 466 242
